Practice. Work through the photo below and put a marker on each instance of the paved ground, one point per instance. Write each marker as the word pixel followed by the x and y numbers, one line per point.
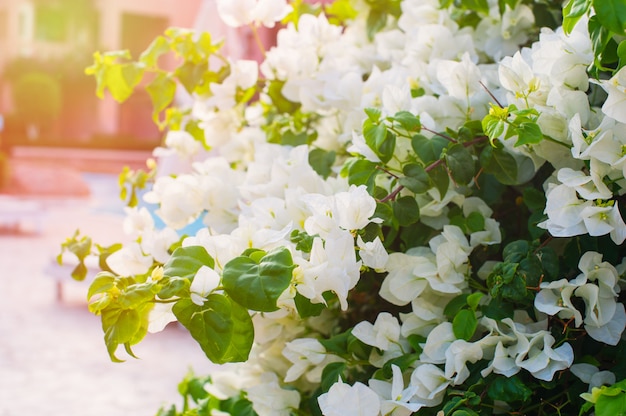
pixel 53 360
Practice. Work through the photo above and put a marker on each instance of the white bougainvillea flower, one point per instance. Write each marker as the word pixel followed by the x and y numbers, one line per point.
pixel 592 375
pixel 373 253
pixel 461 79
pixel 269 399
pixel 589 187
pixel 555 298
pixel 541 360
pixel 303 353
pixel 458 354
pixel 394 396
pixel 355 208
pixel 615 104
pixel 343 399
pixel 158 243
pixel 203 283
pixel 160 315
pixel 237 13
pixel 407 275
pixel 332 267
pixel 431 383
pixel 243 75
pixel 137 221
pixel 382 334
pixel 180 143
pixel 563 209
pixel 129 261
pixel 437 343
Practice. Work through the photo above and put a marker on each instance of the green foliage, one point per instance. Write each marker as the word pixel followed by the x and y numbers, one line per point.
pixel 258 279
pixel 117 73
pixel 222 327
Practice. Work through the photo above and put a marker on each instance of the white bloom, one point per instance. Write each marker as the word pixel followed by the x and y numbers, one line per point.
pixel 591 375
pixel 160 315
pixel 269 399
pixel 384 332
pixel 303 353
pixel 332 266
pixel 458 354
pixel 343 399
pixel 158 243
pixel 460 79
pixel 137 221
pixel 373 253
pixel 129 261
pixel 615 104
pixel 437 343
pixel 203 283
pixel 408 273
pixel 180 143
pixel 431 383
pixel 237 13
pixel 354 208
pixel 541 360
pixel 395 398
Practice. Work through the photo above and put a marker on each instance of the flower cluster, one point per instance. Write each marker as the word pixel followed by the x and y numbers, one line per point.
pixel 403 209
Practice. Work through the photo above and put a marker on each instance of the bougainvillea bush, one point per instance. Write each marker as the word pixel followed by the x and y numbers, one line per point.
pixel 408 207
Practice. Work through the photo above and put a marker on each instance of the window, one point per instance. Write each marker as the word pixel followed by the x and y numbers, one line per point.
pixel 50 24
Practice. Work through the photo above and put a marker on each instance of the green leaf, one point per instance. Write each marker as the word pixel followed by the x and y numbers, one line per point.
pixel 572 12
pixel 528 133
pixel 428 150
pixel 222 327
pixel 464 324
pixel 509 389
pixel 500 163
pixel 102 283
pixel 475 222
pixel 493 126
pixel 161 90
pixel 408 121
pixel 159 46
pixel 174 286
pixel 306 308
pixel 441 179
pixel 190 75
pixel 600 38
pixel 331 374
pixel 123 327
pixel 281 104
pixel 515 251
pixel 455 305
pixel 477 5
pixel 460 163
pixel 362 172
pixel 416 179
pixel 474 299
pixel 376 21
pixel 379 139
pixel 257 285
pixel 406 210
pixel 80 272
pixel 322 161
pixel 340 11
pixel 186 261
pixel 373 114
pixel 611 14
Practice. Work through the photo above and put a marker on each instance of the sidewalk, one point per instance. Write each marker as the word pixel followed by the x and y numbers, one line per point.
pixel 53 360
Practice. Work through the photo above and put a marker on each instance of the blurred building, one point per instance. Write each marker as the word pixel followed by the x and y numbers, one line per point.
pixel 45 46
